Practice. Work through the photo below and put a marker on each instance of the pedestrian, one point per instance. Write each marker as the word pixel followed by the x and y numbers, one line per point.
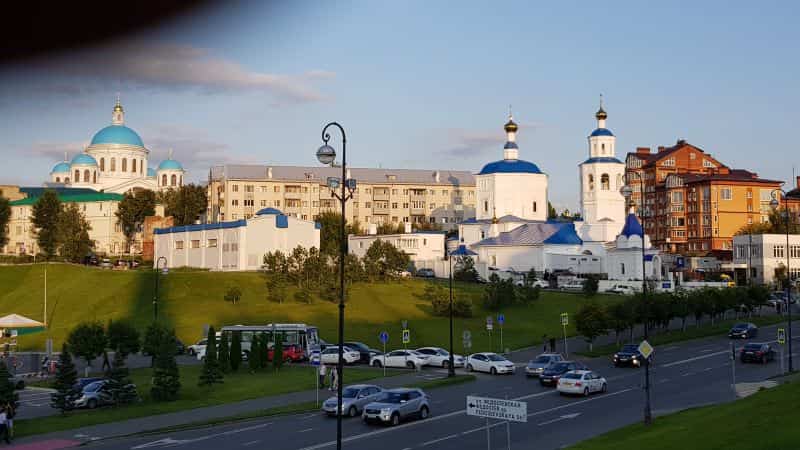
pixel 3 425
pixel 322 373
pixel 334 378
pixel 11 411
pixel 544 343
pixel 552 345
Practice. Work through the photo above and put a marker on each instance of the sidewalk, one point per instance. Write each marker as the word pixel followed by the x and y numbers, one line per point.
pixel 152 423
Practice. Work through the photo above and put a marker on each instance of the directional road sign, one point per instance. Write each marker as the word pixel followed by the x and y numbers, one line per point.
pixel 384 337
pixel 564 319
pixel 781 336
pixel 466 335
pixel 406 336
pixel 404 323
pixel 489 323
pixel 646 349
pixel 501 319
pixel 497 408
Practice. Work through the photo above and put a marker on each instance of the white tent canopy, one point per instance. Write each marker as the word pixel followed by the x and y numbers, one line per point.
pixel 17 321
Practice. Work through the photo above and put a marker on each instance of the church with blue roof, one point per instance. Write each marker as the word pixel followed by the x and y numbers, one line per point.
pixel 116 160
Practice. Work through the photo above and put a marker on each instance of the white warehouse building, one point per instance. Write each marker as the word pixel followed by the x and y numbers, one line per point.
pixel 420 246
pixel 234 246
pixel 762 255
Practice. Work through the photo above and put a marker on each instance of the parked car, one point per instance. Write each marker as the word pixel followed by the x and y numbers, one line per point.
pixel 331 355
pixel 622 289
pixel 489 362
pixel 354 398
pixel 105 263
pixel 90 260
pixel 533 282
pixel 553 372
pixel 396 405
pixel 83 382
pixel 291 353
pixel 743 331
pixel 93 395
pixel 426 273
pixel 780 297
pixel 572 285
pixel 197 347
pixel 756 352
pixel 628 355
pixel 581 382
pixel 400 358
pixel 537 365
pixel 374 352
pixel 440 357
pixel 362 349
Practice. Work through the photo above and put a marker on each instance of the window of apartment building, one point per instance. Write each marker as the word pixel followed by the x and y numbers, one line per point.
pixel 276 188
pixel 355 204
pixel 677 197
pixel 394 191
pixel 669 162
pixel 276 203
pixel 445 192
pixel 764 219
pixel 305 204
pixel 249 202
pixel 405 191
pixel 692 155
pixel 212 243
pixel 395 219
pixel 235 188
pixel 794 251
pixel 263 203
pixel 368 190
pixel 315 204
pixel 749 194
pixel 416 204
pixel 263 188
pixel 305 217
pixel 405 205
pixel 705 245
pixel 178 245
pixel 249 188
pixel 707 163
pixel 234 216
pixel 470 194
pixel 292 203
pixel 234 202
pixel 749 220
pixel 366 219
pixel 405 219
pixel 195 243
pixel 726 194
pixel 394 205
pixel 367 204
pixel 432 206
pixel 777 251
pixel 432 219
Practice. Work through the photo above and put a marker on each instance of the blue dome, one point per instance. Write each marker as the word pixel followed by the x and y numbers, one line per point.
pixel 151 172
pixel 84 160
pixel 170 164
pixel 117 134
pixel 632 227
pixel 62 167
pixel 601 132
pixel 510 166
pixel 268 211
pixel 510 144
pixel 602 159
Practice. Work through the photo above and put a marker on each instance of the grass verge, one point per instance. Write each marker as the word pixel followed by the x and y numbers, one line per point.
pixel 670 337
pixel 766 420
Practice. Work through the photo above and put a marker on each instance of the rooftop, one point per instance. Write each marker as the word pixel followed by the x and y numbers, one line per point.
pixel 320 174
pixel 73 198
pixel 536 233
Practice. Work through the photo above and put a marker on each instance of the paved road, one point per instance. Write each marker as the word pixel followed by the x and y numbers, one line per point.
pixel 684 375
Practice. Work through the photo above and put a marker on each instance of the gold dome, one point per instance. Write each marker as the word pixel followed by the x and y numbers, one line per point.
pixel 601 114
pixel 510 126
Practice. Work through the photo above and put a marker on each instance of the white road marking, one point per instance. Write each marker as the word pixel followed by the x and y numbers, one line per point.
pixel 684 361
pixel 707 369
pixel 687 374
pixel 307 429
pixel 174 442
pixel 247 444
pixel 558 419
pixel 602 396
pixel 435 441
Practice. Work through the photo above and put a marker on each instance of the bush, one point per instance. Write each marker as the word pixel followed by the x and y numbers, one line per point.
pixel 119 384
pixel 166 378
pixel 212 373
pixel 66 377
pixel 590 286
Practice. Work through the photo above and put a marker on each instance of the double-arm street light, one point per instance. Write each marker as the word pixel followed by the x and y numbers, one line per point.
pixel 155 290
pixel 775 203
pixel 627 192
pixel 327 155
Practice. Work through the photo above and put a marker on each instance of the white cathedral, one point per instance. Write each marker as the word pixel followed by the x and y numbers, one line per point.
pixel 511 231
pixel 116 161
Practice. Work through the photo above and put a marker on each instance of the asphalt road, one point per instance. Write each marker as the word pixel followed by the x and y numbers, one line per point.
pixel 683 375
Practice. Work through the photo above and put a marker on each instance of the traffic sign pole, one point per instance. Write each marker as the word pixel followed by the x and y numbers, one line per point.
pixel 564 323
pixel 733 367
pixel 384 359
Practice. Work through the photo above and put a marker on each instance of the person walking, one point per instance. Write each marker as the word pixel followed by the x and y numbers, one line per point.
pixel 552 345
pixel 11 411
pixel 322 373
pixel 334 378
pixel 3 425
pixel 544 343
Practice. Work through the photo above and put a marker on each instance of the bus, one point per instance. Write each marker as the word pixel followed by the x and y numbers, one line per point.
pixel 306 336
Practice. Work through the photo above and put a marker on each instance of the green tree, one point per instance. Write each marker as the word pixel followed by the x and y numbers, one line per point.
pixel 277 352
pixel 330 236
pixel 212 373
pixel 464 269
pixel 131 211
pixel 7 394
pixel 591 321
pixel 551 211
pixel 236 351
pixel 620 318
pixel 233 295
pixel 528 294
pixel 166 383
pixel 224 354
pixel 87 340
pixel 185 203
pixel 155 334
pixel 5 217
pixel 122 337
pixel 73 234
pixel 45 215
pixel 276 287
pixel 66 377
pixel 119 383
pixel 383 261
pixel 498 293
pixel 255 358
pixel 590 285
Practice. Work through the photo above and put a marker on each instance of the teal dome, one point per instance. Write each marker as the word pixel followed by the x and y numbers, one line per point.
pixel 83 159
pixel 151 172
pixel 170 164
pixel 117 134
pixel 62 167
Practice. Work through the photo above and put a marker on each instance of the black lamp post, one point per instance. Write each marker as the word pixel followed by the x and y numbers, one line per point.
pixel 451 370
pixel 627 192
pixel 787 222
pixel 155 291
pixel 326 155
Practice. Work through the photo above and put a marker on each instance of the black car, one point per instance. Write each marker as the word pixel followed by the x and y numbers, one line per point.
pixel 553 372
pixel 755 352
pixel 743 331
pixel 362 349
pixel 628 355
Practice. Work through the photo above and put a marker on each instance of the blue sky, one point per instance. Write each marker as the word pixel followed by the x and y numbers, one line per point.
pixel 424 85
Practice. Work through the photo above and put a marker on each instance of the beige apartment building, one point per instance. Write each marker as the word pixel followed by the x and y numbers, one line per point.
pixel 382 196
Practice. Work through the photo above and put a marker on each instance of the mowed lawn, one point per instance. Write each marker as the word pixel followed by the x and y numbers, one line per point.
pixel 188 300
pixel 764 421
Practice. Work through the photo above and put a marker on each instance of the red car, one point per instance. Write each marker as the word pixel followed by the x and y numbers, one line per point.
pixel 291 353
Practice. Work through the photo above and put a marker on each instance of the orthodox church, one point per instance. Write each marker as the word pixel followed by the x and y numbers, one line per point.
pixel 511 230
pixel 116 161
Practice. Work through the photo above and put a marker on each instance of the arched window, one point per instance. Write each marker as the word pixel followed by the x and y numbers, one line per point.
pixel 133 168
pixel 619 180
pixel 141 166
pixel 622 268
pixel 58 179
pixel 603 147
pixel 173 180
pixel 102 164
pixel 164 180
pixel 77 176
pixel 534 206
pixel 124 164
pixel 485 206
pixel 113 164
pixel 94 177
pixel 604 182
pixel 86 176
pixel 591 182
pixel 66 180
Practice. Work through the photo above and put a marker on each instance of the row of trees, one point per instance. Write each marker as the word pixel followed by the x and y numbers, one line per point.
pixel 660 308
pixel 500 293
pixel 226 357
pixel 61 228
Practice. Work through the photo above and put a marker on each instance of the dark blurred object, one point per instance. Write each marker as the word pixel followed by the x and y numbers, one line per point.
pixel 33 28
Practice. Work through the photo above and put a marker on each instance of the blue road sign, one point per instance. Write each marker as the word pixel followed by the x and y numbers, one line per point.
pixel 384 337
pixel 501 319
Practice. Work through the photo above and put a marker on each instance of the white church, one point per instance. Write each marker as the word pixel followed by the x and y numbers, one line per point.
pixel 116 161
pixel 511 231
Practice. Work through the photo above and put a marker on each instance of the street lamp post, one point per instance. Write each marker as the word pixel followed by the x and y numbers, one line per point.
pixel 451 371
pixel 627 191
pixel 787 216
pixel 327 155
pixel 155 291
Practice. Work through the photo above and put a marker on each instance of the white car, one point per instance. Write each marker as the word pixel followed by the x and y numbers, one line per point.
pixel 581 382
pixel 439 357
pixel 489 362
pixel 196 348
pixel 572 285
pixel 400 358
pixel 534 282
pixel 331 355
pixel 622 289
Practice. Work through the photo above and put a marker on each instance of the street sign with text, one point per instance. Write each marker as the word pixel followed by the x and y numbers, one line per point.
pixel 497 408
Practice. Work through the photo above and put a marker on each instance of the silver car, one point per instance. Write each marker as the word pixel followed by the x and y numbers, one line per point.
pixel 396 405
pixel 353 399
pixel 94 395
pixel 536 366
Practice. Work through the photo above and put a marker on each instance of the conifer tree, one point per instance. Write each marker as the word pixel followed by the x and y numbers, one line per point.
pixel 211 373
pixel 236 350
pixel 7 394
pixel 119 384
pixel 254 360
pixel 224 354
pixel 277 352
pixel 66 377
pixel 166 378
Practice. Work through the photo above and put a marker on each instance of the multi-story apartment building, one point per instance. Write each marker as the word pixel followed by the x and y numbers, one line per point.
pixel 382 196
pixel 693 203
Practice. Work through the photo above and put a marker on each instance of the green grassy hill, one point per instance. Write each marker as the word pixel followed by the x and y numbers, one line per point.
pixel 190 299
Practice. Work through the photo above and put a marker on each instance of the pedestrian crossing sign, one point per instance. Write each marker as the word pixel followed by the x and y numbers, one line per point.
pixel 406 336
pixel 781 336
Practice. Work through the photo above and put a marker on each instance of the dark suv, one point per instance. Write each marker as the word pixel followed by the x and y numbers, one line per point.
pixel 362 349
pixel 553 372
pixel 628 355
pixel 743 331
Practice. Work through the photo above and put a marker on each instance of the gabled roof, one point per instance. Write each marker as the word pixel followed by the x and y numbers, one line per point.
pixel 652 158
pixel 632 227
pixel 536 233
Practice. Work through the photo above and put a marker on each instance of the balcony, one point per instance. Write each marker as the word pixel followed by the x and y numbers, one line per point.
pixel 382 210
pixel 380 196
pixel 293 195
pixel 417 211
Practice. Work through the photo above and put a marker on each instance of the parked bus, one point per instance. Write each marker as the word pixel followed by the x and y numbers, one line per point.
pixel 305 336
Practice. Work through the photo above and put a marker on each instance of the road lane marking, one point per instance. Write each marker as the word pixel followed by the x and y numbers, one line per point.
pixel 435 441
pixel 602 396
pixel 176 442
pixel 307 429
pixel 696 358
pixel 558 419
pixel 248 444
